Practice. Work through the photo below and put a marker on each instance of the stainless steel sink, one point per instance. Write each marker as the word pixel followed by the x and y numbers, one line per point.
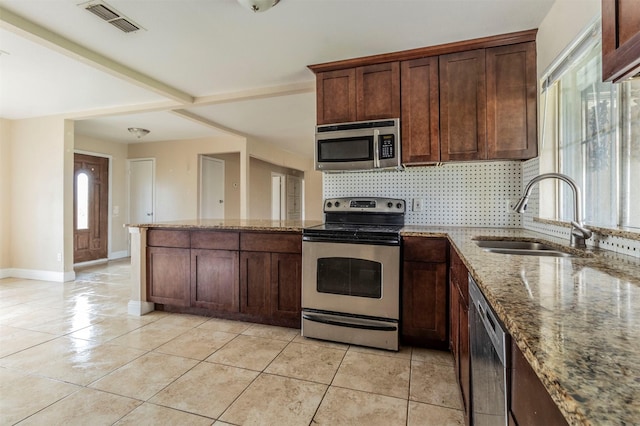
pixel 526 248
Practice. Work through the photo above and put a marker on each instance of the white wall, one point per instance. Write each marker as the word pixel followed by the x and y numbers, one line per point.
pixel 312 179
pixel 5 196
pixel 119 244
pixel 177 172
pixel 565 20
pixel 41 198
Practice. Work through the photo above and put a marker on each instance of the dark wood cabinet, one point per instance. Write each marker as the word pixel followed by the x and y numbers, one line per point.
pixel 459 327
pixel 424 293
pixel 255 279
pixel 378 91
pixel 271 276
pixel 254 276
pixel 214 270
pixel 356 94
pixel 168 267
pixel 511 102
pixel 530 403
pixel 214 280
pixel 463 114
pixel 286 287
pixel 420 94
pixel 168 275
pixel 463 101
pixel 336 96
pixel 620 39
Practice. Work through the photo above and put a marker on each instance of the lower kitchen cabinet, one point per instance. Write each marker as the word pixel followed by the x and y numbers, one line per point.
pixel 424 293
pixel 214 280
pixel 286 279
pixel 255 276
pixel 168 276
pixel 459 328
pixel 530 404
pixel 270 280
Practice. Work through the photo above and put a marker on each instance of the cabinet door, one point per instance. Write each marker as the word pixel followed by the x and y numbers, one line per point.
pixel 463 131
pixel 420 111
pixel 378 91
pixel 214 280
pixel 168 275
pixel 286 284
pixel 511 102
pixel 620 39
pixel 424 304
pixel 531 404
pixel 336 96
pixel 255 279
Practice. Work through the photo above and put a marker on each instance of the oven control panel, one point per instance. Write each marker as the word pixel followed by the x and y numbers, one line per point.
pixel 361 204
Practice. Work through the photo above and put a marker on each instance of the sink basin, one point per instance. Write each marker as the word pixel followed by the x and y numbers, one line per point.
pixel 526 248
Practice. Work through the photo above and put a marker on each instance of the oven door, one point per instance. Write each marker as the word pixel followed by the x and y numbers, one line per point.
pixel 352 279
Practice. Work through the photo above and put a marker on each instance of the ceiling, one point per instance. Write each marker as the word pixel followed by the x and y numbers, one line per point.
pixel 202 68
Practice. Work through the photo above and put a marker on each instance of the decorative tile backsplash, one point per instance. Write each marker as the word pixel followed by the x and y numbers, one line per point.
pixel 453 194
pixel 465 194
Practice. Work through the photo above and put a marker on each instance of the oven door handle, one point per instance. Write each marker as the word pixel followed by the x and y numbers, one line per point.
pixel 360 323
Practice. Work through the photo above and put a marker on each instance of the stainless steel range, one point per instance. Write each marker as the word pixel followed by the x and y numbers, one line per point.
pixel 351 272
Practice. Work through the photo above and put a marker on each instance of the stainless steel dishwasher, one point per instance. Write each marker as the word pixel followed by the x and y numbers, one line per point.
pixel 489 343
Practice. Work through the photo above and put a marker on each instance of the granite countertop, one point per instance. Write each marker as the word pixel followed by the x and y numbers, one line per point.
pixel 234 224
pixel 576 319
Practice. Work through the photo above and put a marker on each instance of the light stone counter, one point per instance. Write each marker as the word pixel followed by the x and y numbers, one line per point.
pixel 234 224
pixel 576 320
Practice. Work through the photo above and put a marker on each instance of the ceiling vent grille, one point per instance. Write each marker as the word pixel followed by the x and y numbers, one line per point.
pixel 110 15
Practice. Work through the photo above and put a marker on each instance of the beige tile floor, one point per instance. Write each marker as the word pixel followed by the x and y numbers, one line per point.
pixel 70 354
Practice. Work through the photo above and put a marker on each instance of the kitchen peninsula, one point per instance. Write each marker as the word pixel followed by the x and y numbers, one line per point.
pixel 573 318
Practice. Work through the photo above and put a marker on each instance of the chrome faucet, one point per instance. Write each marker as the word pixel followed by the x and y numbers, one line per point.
pixel 578 231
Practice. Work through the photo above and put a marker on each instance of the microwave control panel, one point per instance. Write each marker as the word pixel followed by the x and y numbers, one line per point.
pixel 387 147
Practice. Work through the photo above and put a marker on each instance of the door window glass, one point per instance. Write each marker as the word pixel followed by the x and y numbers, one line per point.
pixel 82 201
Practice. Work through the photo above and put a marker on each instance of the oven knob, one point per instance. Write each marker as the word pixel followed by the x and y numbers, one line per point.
pixel 389 204
pixel 329 205
pixel 399 205
pixel 337 204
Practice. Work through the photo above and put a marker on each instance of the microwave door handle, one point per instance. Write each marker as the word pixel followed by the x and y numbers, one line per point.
pixel 376 149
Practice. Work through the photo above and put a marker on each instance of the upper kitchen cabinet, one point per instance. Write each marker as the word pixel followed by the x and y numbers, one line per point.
pixel 463 113
pixel 488 104
pixel 511 102
pixel 468 100
pixel 620 39
pixel 357 94
pixel 420 111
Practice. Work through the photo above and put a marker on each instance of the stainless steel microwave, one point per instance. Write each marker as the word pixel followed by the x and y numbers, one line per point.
pixel 361 145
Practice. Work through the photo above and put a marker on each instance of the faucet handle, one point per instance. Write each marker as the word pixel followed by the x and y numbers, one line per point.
pixel 580 230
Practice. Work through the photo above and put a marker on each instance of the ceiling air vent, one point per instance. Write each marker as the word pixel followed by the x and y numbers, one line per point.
pixel 109 14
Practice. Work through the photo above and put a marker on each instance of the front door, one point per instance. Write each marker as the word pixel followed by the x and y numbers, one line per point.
pixel 90 207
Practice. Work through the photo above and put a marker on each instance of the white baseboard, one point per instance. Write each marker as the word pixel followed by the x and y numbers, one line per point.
pixel 118 255
pixel 33 274
pixel 139 308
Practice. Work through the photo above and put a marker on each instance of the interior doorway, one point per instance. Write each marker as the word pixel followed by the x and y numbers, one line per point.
pixel 90 207
pixel 142 190
pixel 211 188
pixel 278 196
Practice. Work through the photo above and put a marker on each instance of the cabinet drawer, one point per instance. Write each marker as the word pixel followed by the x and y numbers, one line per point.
pixel 167 238
pixel 422 249
pixel 215 240
pixel 271 242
